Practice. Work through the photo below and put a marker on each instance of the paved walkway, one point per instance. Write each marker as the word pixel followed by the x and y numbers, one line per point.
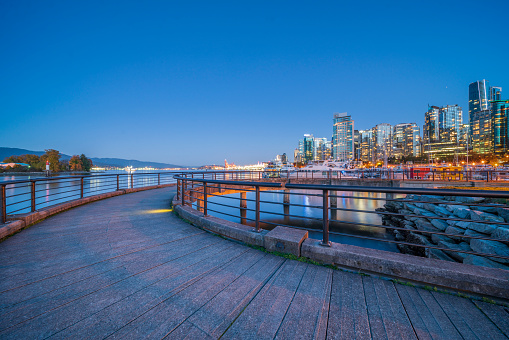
pixel 126 267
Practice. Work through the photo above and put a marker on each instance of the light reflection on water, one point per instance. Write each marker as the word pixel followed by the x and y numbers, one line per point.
pixel 309 211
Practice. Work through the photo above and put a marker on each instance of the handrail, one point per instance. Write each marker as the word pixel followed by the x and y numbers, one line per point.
pixel 199 190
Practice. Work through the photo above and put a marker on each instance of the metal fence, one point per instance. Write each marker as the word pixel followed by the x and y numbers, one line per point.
pixel 437 174
pixel 456 225
pixel 28 195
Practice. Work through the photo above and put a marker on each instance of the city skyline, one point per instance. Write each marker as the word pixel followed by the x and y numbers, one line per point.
pixel 195 83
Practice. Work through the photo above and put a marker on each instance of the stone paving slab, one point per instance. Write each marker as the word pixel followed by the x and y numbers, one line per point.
pixel 127 267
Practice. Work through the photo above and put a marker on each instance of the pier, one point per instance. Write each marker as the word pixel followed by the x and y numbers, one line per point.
pixel 128 267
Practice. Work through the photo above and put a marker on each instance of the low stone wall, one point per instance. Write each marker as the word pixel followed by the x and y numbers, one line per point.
pixel 428 271
pixel 425 214
pixel 20 221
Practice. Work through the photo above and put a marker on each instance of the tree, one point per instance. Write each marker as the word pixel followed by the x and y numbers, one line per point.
pixel 53 156
pixel 86 163
pixel 75 163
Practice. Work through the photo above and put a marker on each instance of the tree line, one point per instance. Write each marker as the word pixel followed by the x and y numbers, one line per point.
pixel 38 163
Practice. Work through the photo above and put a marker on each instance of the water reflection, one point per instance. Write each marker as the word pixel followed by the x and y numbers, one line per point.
pixel 341 221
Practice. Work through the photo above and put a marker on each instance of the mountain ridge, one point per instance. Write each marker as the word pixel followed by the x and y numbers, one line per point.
pixel 115 162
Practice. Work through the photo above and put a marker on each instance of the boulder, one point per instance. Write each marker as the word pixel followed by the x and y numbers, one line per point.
pixel 504 213
pixel 455 231
pixel 461 224
pixel 454 254
pixel 422 224
pixel 439 224
pixel 438 254
pixel 491 210
pixel 479 227
pixel 481 261
pixel 461 212
pixel 480 216
pixel 441 211
pixel 501 233
pixel 464 199
pixel 491 247
pixel 436 238
pixel 472 233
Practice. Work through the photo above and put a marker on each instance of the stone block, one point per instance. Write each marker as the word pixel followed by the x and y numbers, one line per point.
pixel 455 231
pixel 491 247
pixel 501 233
pixel 285 240
pixel 461 212
pixel 441 225
pixel 481 261
pixel 480 216
pixel 481 227
pixel 504 213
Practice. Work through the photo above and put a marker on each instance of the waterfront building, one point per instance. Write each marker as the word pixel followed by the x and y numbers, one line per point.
pixel 411 140
pixel 312 149
pixel 342 137
pixel 480 96
pixel 500 115
pixel 308 147
pixel 366 146
pixel 442 131
pixel 322 149
pixel 398 140
pixel 382 137
pixel 357 145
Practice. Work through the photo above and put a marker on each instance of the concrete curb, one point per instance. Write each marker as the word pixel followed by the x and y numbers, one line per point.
pixel 21 221
pixel 470 279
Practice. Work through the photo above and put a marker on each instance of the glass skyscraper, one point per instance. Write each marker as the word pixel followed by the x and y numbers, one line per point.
pixel 342 137
pixel 500 115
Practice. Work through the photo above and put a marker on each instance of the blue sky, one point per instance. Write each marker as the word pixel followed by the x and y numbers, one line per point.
pixel 191 83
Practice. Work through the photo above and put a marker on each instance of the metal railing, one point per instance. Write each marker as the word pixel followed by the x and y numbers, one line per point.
pixel 28 195
pixel 244 201
pixel 436 174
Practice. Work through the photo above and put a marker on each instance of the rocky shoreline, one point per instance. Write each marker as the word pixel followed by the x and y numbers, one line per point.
pixel 435 214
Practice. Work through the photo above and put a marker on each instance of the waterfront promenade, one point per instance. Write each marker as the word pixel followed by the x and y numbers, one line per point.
pixel 128 267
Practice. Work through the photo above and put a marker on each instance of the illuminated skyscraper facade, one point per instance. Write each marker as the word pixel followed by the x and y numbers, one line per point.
pixel 342 137
pixel 500 116
pixel 382 135
pixel 441 132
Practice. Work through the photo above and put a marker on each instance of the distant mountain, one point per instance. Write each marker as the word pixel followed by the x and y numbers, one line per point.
pixel 116 162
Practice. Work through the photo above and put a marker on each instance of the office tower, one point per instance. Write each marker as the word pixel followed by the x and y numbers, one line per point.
pixel 411 140
pixel 500 115
pixel 342 137
pixel 321 149
pixel 398 140
pixel 366 146
pixel 308 147
pixel 357 145
pixel 382 136
pixel 495 93
pixel 441 133
pixel 479 94
pixel 431 129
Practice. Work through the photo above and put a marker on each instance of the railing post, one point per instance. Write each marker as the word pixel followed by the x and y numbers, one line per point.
pixel 32 198
pixel 132 181
pixel 178 188
pixel 118 182
pixel 183 192
pixel 3 203
pixel 158 179
pixel 325 219
pixel 257 209
pixel 81 187
pixel 204 198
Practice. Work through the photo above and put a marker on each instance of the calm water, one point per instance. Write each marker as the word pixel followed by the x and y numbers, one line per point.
pixel 349 202
pixel 54 192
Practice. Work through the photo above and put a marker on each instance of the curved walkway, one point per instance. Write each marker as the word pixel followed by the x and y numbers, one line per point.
pixel 127 267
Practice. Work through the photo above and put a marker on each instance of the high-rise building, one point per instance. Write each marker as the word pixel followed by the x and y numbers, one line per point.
pixel 366 145
pixel 398 139
pixel 441 132
pixel 322 149
pixel 357 145
pixel 431 129
pixel 342 137
pixel 308 147
pixel 480 114
pixel 411 140
pixel 500 116
pixel 382 136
